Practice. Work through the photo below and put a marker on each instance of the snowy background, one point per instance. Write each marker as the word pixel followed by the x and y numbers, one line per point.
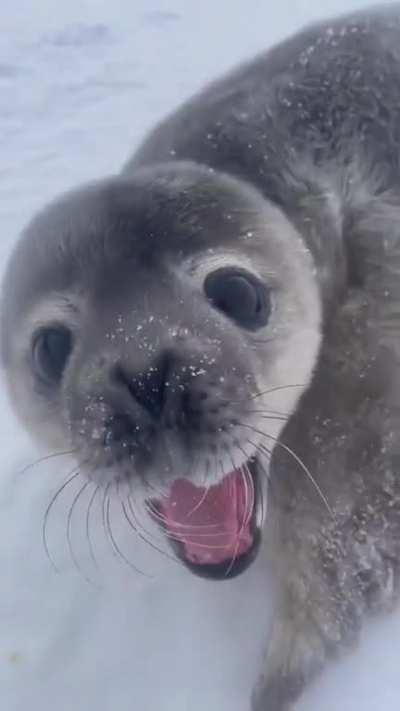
pixel 80 84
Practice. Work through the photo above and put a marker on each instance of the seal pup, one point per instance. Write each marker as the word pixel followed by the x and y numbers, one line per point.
pixel 221 322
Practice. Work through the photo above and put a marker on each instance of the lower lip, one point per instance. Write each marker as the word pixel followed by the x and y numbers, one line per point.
pixel 226 570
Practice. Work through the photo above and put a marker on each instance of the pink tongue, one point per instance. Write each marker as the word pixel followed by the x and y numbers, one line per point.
pixel 215 525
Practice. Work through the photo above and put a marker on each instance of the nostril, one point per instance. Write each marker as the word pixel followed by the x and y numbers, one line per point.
pixel 118 429
pixel 148 387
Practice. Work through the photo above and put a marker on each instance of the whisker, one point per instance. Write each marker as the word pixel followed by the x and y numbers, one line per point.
pixel 144 539
pixel 138 523
pixel 245 470
pixel 246 517
pixel 191 529
pixel 143 533
pixel 69 526
pixel 36 463
pixel 160 494
pixel 165 494
pixel 116 546
pixel 261 494
pixel 238 534
pixel 204 496
pixel 246 499
pixel 271 479
pixel 131 525
pixel 309 476
pixel 58 493
pixel 250 483
pixel 192 532
pixel 263 453
pixel 200 504
pixel 278 417
pixel 299 462
pixel 269 392
pixel 88 533
pixel 261 342
pixel 103 511
pixel 266 452
pixel 178 537
pixel 206 474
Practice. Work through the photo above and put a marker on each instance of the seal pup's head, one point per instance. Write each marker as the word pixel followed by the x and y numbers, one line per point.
pixel 164 326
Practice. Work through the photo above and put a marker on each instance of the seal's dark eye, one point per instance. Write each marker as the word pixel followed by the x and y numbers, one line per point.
pixel 50 350
pixel 240 295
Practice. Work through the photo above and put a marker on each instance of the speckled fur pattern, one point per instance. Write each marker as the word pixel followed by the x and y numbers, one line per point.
pixel 315 124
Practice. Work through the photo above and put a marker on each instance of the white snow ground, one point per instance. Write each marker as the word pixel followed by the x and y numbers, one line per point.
pixel 80 83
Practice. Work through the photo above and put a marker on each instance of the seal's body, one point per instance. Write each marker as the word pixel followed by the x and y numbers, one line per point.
pixel 246 268
pixel 315 125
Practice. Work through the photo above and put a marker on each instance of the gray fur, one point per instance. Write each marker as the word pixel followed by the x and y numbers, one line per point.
pixel 310 134
pixel 315 124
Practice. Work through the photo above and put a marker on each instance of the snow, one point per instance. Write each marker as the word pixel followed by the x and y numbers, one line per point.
pixel 80 84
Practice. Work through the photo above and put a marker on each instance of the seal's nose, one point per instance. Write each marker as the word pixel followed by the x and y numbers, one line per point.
pixel 139 400
pixel 149 388
pixel 145 403
pixel 118 431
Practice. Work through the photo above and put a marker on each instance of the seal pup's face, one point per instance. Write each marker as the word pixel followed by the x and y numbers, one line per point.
pixel 164 328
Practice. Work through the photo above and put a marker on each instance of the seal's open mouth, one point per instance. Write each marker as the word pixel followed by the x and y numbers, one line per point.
pixel 214 531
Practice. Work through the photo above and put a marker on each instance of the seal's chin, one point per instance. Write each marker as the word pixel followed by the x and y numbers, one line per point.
pixel 215 531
